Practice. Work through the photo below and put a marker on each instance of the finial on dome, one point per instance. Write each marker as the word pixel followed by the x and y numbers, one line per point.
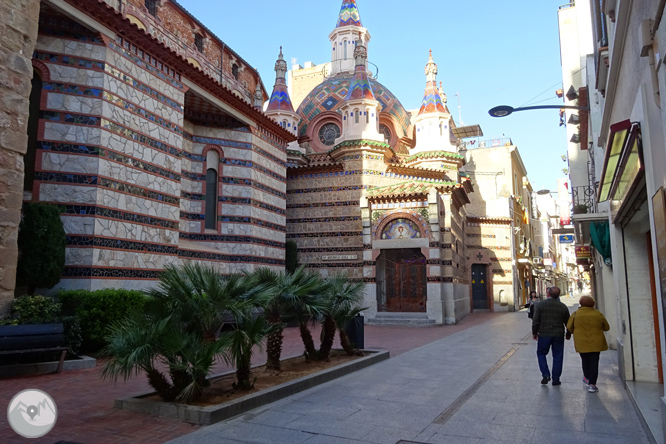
pixel 431 69
pixel 281 66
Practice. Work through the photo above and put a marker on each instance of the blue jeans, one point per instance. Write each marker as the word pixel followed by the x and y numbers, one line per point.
pixel 543 347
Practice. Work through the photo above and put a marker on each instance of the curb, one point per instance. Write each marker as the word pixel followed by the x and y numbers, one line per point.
pixel 220 412
pixel 83 362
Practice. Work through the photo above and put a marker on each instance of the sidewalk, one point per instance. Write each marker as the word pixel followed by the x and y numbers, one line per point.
pixel 85 402
pixel 481 385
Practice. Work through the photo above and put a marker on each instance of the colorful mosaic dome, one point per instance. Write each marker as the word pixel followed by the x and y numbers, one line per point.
pixel 331 94
pixel 349 15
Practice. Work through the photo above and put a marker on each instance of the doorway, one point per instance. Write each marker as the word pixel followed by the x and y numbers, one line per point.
pixel 404 284
pixel 479 287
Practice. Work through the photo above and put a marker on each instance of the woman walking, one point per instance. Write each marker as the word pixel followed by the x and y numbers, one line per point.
pixel 588 326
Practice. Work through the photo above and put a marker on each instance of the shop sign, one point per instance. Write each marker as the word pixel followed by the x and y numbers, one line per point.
pixel 566 238
pixel 583 252
pixel 339 257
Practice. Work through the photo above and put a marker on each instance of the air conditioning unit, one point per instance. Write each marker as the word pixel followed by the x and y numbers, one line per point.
pixel 537 261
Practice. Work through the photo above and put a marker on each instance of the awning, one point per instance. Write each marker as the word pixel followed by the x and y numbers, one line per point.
pixel 623 168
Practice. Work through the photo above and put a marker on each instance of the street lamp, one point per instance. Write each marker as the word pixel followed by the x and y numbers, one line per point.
pixel 505 110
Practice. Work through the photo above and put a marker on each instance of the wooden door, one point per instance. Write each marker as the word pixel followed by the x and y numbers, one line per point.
pixel 405 277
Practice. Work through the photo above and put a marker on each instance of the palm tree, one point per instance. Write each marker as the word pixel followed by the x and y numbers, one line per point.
pixel 293 292
pixel 343 298
pixel 181 328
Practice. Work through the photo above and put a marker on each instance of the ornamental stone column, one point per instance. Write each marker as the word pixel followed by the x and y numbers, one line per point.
pixel 18 28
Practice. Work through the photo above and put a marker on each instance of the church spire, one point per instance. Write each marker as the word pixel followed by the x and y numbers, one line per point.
pixel 432 102
pixel 279 100
pixel 360 87
pixel 349 15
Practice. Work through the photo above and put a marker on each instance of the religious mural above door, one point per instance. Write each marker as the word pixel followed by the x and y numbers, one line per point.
pixel 401 229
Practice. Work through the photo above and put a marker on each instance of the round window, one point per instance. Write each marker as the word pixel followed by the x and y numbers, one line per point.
pixel 383 129
pixel 328 133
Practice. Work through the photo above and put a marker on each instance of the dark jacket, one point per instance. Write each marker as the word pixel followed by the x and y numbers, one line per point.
pixel 550 318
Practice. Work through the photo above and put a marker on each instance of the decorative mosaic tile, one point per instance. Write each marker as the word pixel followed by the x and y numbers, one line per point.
pixel 66 88
pixel 121 244
pixel 336 265
pixel 335 234
pixel 231 238
pixel 125 216
pixel 63 59
pixel 76 119
pixel 337 88
pixel 117 273
pixel 252 183
pixel 349 15
pixel 146 61
pixel 330 250
pixel 328 189
pixel 349 203
pixel 360 87
pixel 324 220
pixel 142 112
pixel 204 255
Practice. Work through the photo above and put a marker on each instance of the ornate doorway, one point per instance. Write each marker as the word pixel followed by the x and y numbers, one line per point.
pixel 402 284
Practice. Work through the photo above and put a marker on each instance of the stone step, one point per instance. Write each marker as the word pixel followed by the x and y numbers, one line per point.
pixel 391 318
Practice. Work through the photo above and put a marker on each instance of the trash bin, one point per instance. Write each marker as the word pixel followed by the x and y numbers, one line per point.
pixel 354 330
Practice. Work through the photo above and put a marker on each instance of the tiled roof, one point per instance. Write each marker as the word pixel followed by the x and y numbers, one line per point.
pixel 432 154
pixel 280 97
pixel 349 15
pixel 411 188
pixel 432 102
pixel 360 87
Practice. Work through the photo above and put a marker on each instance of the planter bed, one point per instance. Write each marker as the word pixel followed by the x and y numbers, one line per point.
pixel 220 412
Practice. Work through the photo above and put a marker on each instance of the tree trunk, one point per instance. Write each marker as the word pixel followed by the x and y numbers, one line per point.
pixel 243 375
pixel 158 381
pixel 327 340
pixel 274 346
pixel 346 344
pixel 306 336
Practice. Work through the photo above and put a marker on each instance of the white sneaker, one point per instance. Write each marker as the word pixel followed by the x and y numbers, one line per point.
pixel 592 389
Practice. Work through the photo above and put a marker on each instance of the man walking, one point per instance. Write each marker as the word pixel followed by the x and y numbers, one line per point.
pixel 548 329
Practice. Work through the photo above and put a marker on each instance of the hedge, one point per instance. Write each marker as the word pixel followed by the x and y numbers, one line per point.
pixel 97 310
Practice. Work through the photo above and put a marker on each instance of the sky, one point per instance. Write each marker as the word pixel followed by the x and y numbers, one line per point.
pixel 489 52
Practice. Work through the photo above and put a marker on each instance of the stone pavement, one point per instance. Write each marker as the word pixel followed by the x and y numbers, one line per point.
pixel 85 402
pixel 481 385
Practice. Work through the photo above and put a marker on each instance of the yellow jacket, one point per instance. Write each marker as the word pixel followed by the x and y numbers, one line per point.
pixel 588 326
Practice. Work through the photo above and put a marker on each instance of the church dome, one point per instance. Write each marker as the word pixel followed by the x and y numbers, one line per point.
pixel 329 96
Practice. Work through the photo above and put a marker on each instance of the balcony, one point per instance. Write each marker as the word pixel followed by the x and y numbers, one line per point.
pixel 584 199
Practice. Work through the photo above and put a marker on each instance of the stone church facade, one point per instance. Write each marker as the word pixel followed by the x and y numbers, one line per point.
pixel 153 138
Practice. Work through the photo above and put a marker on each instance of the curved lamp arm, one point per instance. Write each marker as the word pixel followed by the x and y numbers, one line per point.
pixel 505 110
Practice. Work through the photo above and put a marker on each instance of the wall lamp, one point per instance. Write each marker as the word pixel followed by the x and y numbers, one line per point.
pixel 505 110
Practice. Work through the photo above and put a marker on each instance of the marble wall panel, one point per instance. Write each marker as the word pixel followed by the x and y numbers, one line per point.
pixel 251 230
pixel 190 226
pixel 79 257
pixel 251 211
pixel 78 48
pixel 131 259
pixel 74 104
pixel 138 177
pixel 56 192
pixel 138 123
pixel 70 163
pixel 192 166
pixel 191 186
pixel 250 192
pixel 62 132
pixel 78 76
pixel 245 249
pixel 134 149
pixel 219 133
pixel 134 204
pixel 78 224
pixel 125 230
pixel 191 206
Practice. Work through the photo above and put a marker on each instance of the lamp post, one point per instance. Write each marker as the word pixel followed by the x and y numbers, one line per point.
pixel 505 110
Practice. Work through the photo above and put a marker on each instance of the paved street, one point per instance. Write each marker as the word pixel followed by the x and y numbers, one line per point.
pixel 480 385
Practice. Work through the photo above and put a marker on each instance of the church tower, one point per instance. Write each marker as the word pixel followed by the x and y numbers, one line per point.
pixel 348 33
pixel 433 123
pixel 279 107
pixel 360 111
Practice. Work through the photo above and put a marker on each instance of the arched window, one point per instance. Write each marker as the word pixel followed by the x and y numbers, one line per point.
pixel 33 124
pixel 344 46
pixel 367 117
pixel 199 42
pixel 355 116
pixel 212 165
pixel 234 71
pixel 440 129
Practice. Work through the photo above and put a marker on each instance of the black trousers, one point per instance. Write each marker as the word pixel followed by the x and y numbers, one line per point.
pixel 590 363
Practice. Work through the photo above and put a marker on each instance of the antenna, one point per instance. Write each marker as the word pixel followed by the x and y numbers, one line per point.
pixel 459 111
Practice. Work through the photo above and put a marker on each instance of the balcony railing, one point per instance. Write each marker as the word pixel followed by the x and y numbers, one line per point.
pixel 584 199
